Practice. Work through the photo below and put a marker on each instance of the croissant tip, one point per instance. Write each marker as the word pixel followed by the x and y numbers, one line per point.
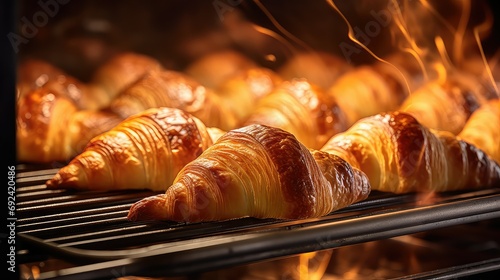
pixel 54 182
pixel 149 208
pixel 70 176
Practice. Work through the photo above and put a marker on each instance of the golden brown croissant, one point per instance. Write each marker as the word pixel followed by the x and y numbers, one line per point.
pixel 447 104
pixel 117 74
pixel 367 90
pixel 400 155
pixel 214 68
pixel 313 116
pixel 166 88
pixel 302 109
pixel 144 151
pixel 256 171
pixel 363 92
pixel 319 68
pixel 161 88
pixel 50 127
pixel 35 73
pixel 224 107
pixel 482 129
pixel 241 93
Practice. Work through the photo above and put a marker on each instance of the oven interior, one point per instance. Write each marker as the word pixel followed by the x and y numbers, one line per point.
pixel 66 234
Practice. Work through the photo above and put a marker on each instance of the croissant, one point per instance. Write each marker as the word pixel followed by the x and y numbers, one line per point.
pixel 117 74
pixel 400 155
pixel 50 127
pixel 160 88
pixel 212 69
pixel 145 151
pixel 314 116
pixel 367 90
pixel 447 104
pixel 258 171
pixel 482 129
pixel 224 107
pixel 241 93
pixel 35 73
pixel 319 68
pixel 302 109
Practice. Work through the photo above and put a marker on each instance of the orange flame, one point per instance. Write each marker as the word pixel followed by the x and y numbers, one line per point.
pixel 355 40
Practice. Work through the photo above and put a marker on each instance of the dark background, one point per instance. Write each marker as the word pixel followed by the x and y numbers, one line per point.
pixel 83 34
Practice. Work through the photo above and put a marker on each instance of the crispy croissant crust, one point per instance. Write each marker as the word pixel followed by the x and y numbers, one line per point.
pixel 256 171
pixel 446 104
pixel 400 155
pixel 482 129
pixel 117 74
pixel 166 88
pixel 241 93
pixel 302 109
pixel 51 128
pixel 380 87
pixel 225 107
pixel 144 151
pixel 34 73
pixel 160 88
pixel 363 92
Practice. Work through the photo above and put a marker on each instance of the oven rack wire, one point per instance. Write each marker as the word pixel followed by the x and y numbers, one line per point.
pixel 90 229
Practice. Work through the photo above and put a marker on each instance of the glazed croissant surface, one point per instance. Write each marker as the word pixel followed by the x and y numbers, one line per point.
pixel 127 84
pixel 363 92
pixel 162 88
pixel 116 74
pixel 400 155
pixel 370 89
pixel 314 115
pixel 258 171
pixel 50 127
pixel 241 93
pixel 482 129
pixel 303 109
pixel 224 107
pixel 35 73
pixel 145 151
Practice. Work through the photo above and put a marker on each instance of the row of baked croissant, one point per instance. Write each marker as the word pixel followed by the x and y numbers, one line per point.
pixel 128 84
pixel 267 171
pixel 233 92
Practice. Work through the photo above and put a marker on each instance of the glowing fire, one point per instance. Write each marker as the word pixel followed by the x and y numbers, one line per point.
pixel 442 45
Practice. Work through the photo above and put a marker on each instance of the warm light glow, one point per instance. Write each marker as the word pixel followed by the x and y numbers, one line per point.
pixel 446 61
pixel 279 27
pixel 427 198
pixel 486 65
pixel 352 36
pixel 461 29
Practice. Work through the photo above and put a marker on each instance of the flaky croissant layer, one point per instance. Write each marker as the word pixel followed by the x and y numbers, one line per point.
pixel 50 127
pixel 482 129
pixel 258 171
pixel 446 105
pixel 144 151
pixel 400 155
